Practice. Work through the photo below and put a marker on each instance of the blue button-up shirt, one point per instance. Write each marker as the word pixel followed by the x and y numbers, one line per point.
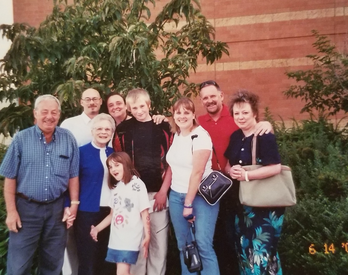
pixel 42 170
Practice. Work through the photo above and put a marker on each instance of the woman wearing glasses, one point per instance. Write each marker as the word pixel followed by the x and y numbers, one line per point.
pixel 94 198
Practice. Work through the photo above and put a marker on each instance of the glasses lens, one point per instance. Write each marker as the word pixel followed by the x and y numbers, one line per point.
pixel 100 129
pixel 95 99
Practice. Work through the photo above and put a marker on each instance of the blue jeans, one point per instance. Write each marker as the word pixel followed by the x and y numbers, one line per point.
pixel 42 228
pixel 205 221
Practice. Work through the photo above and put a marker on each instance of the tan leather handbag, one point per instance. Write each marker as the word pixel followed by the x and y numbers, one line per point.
pixel 275 191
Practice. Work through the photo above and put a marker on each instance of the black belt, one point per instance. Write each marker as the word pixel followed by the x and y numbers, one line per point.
pixel 21 195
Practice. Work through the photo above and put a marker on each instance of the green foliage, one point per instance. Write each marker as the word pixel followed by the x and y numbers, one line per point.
pixel 317 153
pixel 3 227
pixel 320 222
pixel 108 45
pixel 324 87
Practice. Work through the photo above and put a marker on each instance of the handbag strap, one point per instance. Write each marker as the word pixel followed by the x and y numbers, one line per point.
pixel 253 150
pixel 192 231
pixel 217 160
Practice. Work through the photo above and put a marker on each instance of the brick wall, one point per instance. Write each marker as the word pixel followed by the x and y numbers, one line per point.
pixel 265 38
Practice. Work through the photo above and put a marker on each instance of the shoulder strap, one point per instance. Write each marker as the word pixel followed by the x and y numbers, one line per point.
pixel 253 150
pixel 193 137
pixel 217 160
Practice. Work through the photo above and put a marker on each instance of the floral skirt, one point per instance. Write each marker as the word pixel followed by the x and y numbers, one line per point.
pixel 257 233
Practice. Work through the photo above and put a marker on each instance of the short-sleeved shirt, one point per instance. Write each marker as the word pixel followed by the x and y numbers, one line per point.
pixel 128 201
pixel 42 170
pixel 179 157
pixel 239 149
pixel 239 152
pixel 220 132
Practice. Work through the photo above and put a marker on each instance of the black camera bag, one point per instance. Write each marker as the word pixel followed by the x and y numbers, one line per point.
pixel 191 255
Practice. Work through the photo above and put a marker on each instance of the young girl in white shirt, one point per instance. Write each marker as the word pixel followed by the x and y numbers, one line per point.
pixel 129 216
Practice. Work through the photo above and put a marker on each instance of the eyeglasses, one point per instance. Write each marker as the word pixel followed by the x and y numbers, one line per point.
pixel 209 83
pixel 88 99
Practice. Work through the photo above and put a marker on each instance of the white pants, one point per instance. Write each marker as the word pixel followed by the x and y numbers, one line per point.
pixel 156 262
pixel 71 263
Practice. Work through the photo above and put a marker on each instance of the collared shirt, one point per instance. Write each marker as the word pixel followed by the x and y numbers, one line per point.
pixel 220 132
pixel 42 170
pixel 80 127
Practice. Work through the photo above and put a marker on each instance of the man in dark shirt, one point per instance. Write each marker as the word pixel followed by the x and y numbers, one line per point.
pixel 147 144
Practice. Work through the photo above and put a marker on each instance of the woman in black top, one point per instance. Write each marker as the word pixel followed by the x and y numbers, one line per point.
pixel 257 228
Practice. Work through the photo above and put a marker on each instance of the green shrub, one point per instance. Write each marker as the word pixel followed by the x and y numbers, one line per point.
pixel 3 227
pixel 318 222
pixel 317 153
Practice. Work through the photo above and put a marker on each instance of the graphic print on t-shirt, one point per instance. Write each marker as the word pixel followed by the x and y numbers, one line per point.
pixel 136 186
pixel 128 204
pixel 120 211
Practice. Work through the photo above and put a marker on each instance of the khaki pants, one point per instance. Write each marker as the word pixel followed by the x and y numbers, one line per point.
pixel 155 264
pixel 71 263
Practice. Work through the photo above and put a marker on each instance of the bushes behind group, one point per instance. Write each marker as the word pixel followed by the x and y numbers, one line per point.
pixel 3 228
pixel 315 232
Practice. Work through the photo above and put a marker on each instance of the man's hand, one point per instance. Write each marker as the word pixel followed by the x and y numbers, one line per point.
pixel 160 201
pixel 263 127
pixel 13 221
pixel 69 217
pixel 159 118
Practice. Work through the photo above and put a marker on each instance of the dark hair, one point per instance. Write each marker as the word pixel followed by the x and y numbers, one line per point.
pixel 244 96
pixel 187 104
pixel 209 83
pixel 112 94
pixel 128 168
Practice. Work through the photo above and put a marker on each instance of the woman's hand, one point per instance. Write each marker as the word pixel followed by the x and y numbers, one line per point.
pixel 188 213
pixel 237 172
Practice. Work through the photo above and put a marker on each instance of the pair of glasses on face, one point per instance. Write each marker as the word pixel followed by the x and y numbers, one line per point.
pixel 208 83
pixel 88 99
pixel 100 129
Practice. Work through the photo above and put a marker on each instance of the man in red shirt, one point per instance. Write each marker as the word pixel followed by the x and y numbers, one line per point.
pixel 220 125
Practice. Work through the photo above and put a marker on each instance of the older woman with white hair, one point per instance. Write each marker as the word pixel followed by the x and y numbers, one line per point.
pixel 94 197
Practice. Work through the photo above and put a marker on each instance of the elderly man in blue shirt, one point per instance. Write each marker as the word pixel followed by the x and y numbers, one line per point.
pixel 40 165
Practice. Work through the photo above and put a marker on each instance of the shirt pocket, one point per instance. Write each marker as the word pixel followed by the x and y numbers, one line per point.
pixel 61 165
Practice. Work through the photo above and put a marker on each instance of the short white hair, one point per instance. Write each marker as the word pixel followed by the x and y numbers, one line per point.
pixel 46 97
pixel 101 117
